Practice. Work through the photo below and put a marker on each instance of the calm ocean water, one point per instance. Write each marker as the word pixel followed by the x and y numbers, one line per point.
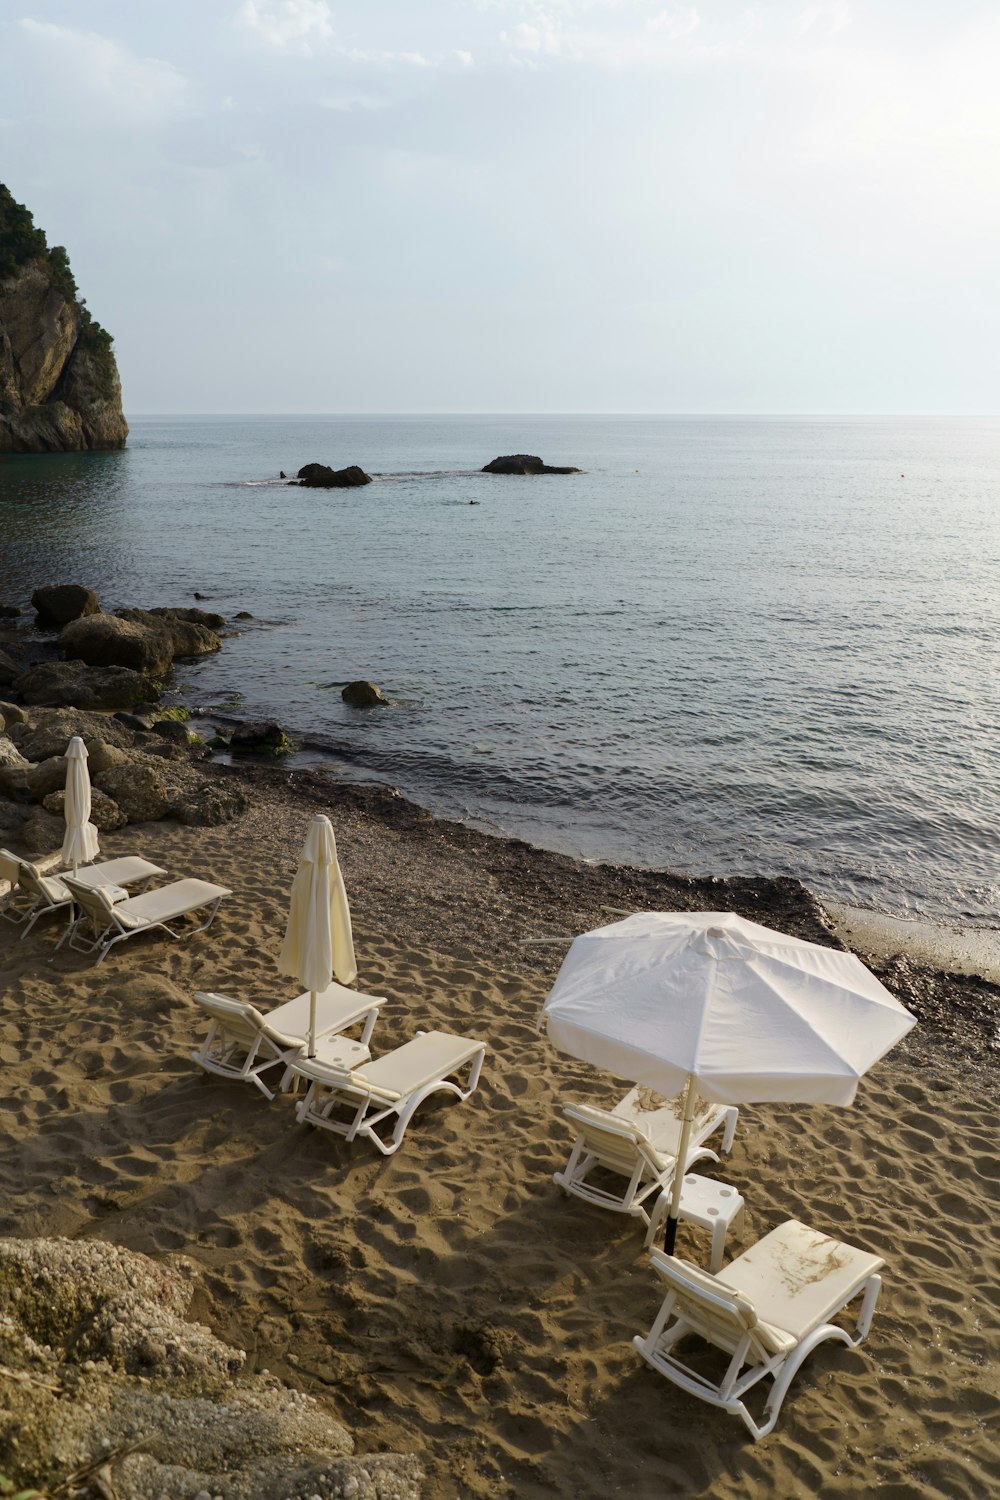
pixel 731 645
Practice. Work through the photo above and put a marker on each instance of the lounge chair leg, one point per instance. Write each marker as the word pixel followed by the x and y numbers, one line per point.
pixel 729 1134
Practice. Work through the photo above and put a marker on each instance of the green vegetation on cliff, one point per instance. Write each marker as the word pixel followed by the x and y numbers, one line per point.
pixel 22 243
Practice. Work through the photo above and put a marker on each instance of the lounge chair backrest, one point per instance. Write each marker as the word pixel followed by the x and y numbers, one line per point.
pixel 242 1021
pixel 44 888
pixel 10 867
pixel 92 899
pixel 610 1138
pixel 721 1315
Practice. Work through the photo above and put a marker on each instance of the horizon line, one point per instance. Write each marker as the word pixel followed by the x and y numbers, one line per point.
pixel 327 415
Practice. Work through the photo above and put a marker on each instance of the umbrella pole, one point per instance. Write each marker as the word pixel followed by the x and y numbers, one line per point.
pixel 312 1023
pixel 678 1182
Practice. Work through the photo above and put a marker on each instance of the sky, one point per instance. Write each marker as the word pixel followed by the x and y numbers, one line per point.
pixel 521 205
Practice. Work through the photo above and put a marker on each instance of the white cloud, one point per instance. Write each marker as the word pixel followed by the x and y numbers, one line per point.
pixel 364 57
pixel 544 37
pixel 119 84
pixel 608 33
pixel 296 25
pixel 827 16
pixel 675 22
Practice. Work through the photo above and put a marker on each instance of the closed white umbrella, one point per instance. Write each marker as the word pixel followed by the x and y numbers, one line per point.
pixel 718 1006
pixel 80 845
pixel 318 944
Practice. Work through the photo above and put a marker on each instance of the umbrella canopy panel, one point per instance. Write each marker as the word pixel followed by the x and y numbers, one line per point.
pixel 748 1013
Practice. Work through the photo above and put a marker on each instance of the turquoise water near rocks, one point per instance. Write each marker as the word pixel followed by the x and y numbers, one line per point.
pixel 731 645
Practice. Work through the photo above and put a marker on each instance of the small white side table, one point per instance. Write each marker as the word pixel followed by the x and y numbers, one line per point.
pixel 710 1204
pixel 336 1052
pixel 341 1052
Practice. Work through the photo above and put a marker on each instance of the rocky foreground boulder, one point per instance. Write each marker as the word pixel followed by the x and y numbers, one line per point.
pixel 59 384
pixel 136 777
pixel 73 684
pixel 523 463
pixel 104 1379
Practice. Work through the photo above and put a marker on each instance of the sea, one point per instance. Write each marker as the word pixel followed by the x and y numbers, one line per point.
pixel 730 645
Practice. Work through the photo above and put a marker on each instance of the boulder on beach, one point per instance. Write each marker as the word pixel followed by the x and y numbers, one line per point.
pixel 56 604
pixel 100 1344
pixel 139 790
pixel 48 776
pixel 321 476
pixel 51 730
pixel 524 463
pixel 40 833
pixel 105 814
pixel 209 803
pixel 362 694
pixel 74 684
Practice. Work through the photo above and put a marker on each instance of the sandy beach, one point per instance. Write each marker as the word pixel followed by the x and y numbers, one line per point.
pixel 449 1302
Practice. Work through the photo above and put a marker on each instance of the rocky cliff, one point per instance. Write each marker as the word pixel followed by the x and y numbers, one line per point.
pixel 59 385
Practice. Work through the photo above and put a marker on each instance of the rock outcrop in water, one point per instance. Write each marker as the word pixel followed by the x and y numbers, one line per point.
pixel 59 385
pixel 321 476
pixel 523 463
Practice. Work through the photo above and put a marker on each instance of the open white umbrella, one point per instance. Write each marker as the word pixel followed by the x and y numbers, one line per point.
pixel 718 1006
pixel 318 943
pixel 80 845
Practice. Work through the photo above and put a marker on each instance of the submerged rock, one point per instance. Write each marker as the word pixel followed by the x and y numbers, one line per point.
pixel 524 463
pixel 259 739
pixel 205 617
pixel 363 694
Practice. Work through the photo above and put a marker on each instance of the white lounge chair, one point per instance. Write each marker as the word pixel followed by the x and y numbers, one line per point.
pixel 392 1085
pixel 12 905
pixel 44 892
pixel 114 921
pixel 767 1310
pixel 243 1043
pixel 636 1146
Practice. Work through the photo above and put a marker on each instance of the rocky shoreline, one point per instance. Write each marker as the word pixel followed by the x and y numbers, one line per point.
pixel 540 893
pixel 109 1387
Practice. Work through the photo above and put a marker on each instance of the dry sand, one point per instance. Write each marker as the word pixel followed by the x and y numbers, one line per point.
pixel 450 1301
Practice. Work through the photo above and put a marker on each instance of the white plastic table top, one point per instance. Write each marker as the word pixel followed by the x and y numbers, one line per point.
pixel 341 1052
pixel 704 1201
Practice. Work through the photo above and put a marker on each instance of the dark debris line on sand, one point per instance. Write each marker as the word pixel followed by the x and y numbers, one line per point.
pixel 438 883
